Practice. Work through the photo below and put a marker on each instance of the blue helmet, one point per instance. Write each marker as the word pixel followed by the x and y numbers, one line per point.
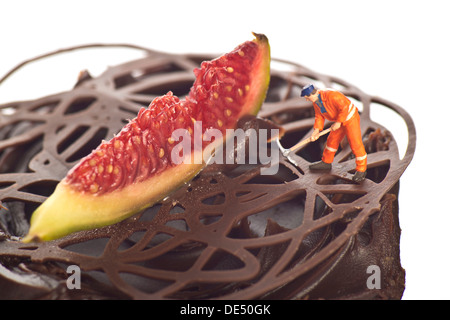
pixel 307 90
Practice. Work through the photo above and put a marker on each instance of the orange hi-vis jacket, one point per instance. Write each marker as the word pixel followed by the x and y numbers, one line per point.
pixel 337 107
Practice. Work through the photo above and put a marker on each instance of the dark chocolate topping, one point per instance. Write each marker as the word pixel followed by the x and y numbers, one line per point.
pixel 231 232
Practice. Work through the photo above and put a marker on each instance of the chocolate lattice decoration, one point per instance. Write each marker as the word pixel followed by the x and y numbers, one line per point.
pixel 230 233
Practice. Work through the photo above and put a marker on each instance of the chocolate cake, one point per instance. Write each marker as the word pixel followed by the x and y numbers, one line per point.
pixel 230 233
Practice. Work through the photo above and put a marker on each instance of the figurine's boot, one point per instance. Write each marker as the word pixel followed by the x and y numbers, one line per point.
pixel 359 176
pixel 320 165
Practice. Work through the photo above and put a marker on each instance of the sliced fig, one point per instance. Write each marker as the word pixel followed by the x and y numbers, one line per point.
pixel 135 169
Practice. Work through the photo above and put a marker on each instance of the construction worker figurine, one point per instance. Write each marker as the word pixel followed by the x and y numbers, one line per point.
pixel 334 106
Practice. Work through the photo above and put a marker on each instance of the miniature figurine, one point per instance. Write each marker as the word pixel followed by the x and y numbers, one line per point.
pixel 334 106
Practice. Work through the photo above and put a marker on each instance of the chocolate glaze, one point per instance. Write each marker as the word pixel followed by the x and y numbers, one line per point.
pixel 231 233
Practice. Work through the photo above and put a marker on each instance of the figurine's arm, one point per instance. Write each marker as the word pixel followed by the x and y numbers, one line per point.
pixel 318 124
pixel 341 103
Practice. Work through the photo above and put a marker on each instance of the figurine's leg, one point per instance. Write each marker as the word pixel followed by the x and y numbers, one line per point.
pixel 333 141
pixel 353 132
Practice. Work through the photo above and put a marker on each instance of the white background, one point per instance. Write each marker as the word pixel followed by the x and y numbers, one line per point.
pixel 394 49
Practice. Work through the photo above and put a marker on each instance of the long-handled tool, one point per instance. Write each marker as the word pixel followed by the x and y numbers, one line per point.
pixel 288 152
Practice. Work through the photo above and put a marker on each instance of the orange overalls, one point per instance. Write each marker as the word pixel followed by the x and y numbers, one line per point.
pixel 338 108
